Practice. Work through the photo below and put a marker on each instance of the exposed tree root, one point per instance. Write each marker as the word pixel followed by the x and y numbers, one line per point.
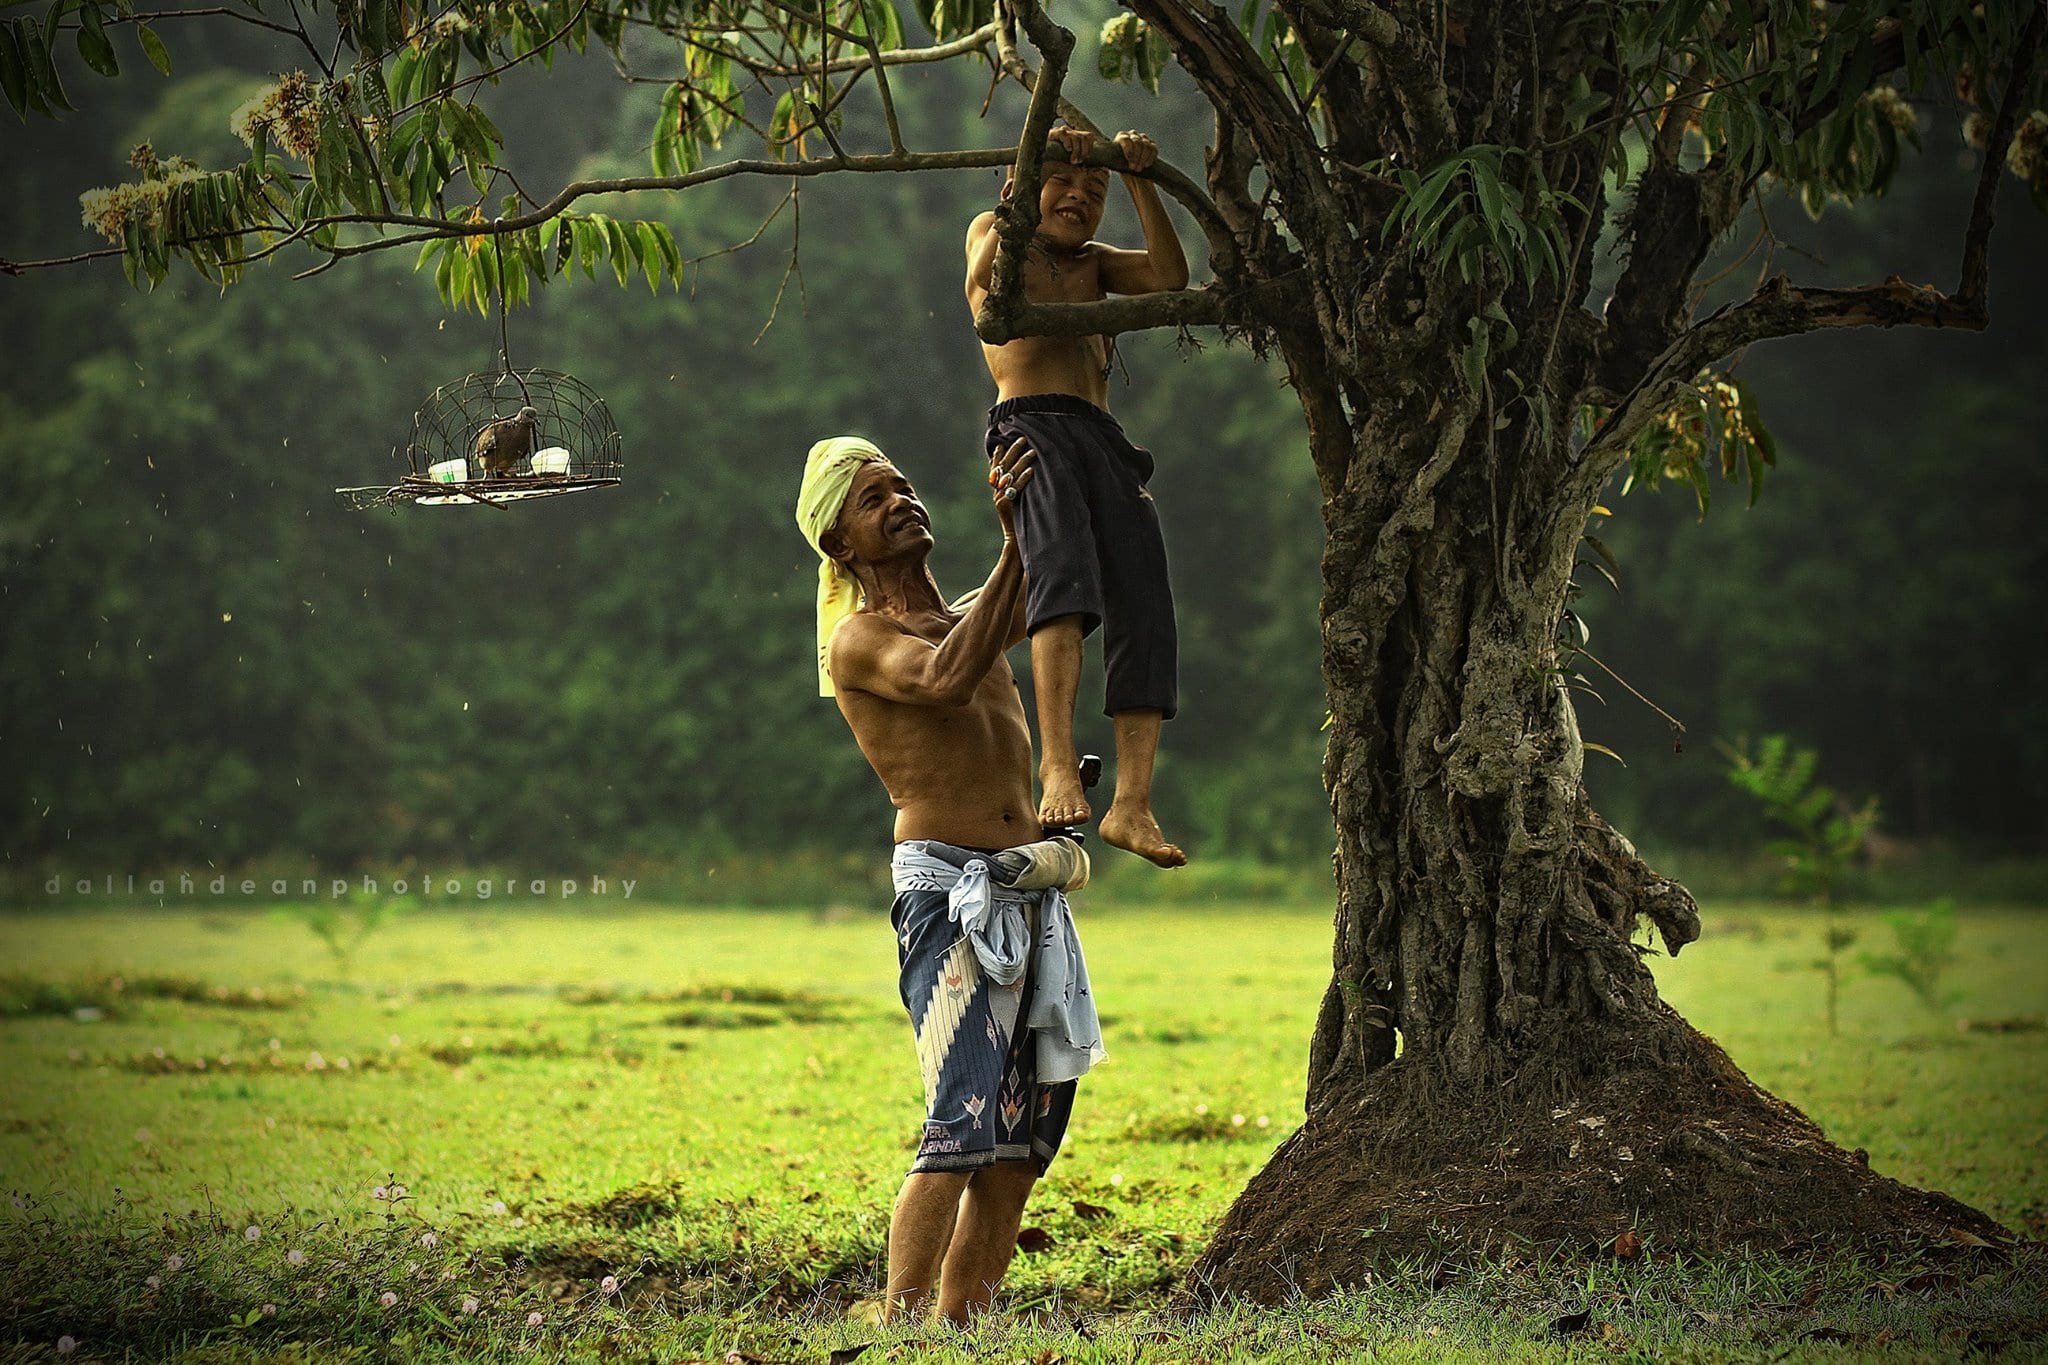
pixel 1658 1132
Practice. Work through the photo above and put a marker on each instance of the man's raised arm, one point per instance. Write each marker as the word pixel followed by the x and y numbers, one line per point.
pixel 871 653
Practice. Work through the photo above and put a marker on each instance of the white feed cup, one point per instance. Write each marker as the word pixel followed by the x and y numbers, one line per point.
pixel 449 471
pixel 553 460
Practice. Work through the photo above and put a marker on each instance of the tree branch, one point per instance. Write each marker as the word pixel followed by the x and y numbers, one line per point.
pixel 1212 305
pixel 1232 75
pixel 1017 218
pixel 1411 68
pixel 1779 309
pixel 1976 275
pixel 1017 69
pixel 221 12
pixel 1106 317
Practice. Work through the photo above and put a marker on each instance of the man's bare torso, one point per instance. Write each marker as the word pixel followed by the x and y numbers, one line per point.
pixel 960 774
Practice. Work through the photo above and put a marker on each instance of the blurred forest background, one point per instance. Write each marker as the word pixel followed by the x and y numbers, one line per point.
pixel 209 662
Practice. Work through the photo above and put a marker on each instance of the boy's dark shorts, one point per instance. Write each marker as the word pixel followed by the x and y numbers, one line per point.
pixel 1089 535
pixel 983 1103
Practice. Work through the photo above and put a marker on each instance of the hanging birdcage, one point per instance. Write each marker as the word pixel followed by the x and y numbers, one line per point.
pixel 501 438
pixel 508 436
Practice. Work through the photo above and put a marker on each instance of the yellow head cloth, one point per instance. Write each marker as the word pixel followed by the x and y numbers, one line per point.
pixel 828 475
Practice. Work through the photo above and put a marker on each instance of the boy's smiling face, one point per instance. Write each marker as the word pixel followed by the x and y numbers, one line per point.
pixel 1070 203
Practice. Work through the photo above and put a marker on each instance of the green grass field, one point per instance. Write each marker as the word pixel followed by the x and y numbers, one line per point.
pixel 716 1107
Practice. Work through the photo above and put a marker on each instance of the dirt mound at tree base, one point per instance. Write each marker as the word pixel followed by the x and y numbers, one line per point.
pixel 1657 1134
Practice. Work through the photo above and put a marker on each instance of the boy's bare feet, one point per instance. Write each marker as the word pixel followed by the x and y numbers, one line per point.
pixel 1135 831
pixel 1064 801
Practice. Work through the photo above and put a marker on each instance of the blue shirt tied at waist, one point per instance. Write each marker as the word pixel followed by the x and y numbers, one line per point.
pixel 1061 1010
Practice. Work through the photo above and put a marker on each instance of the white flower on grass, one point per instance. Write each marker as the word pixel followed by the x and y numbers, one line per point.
pixel 388 1299
pixel 497 1206
pixel 1264 1122
pixel 534 1319
pixel 174 1262
pixel 1116 1177
pixel 469 1307
pixel 429 1240
pixel 398 1191
pixel 66 1345
pixel 1237 1120
pixel 380 1193
pixel 295 1256
pixel 269 1310
pixel 153 1282
pixel 396 1040
pixel 252 1232
pixel 1201 1109
pixel 608 1286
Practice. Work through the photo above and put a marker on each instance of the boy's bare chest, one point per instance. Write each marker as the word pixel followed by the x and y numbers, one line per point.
pixel 1053 278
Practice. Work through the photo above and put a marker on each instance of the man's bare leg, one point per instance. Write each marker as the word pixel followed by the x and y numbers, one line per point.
pixel 1056 674
pixel 1129 824
pixel 987 1237
pixel 919 1232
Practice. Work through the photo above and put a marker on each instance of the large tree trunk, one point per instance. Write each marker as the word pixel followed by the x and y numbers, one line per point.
pixel 1492 1065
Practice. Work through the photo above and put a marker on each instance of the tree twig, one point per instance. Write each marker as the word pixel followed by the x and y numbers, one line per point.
pixel 1017 219
pixel 1976 271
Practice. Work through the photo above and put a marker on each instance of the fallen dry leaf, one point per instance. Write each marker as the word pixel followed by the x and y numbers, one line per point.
pixel 1571 1324
pixel 1031 1240
pixel 1627 1245
pixel 1087 1210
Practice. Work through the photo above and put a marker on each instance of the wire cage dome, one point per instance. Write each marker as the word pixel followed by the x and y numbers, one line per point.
pixel 504 437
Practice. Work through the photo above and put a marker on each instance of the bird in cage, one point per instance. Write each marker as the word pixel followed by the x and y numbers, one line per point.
pixel 505 442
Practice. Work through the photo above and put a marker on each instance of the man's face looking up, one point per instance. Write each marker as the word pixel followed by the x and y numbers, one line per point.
pixel 881 518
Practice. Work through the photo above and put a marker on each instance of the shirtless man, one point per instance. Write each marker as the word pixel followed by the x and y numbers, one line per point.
pixel 934 707
pixel 1090 534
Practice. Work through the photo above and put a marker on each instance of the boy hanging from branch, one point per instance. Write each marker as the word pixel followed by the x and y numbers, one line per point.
pixel 1087 527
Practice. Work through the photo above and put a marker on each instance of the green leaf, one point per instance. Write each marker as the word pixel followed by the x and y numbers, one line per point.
pixel 13 69
pixel 782 124
pixel 880 18
pixel 42 68
pixel 1600 548
pixel 1474 357
pixel 93 47
pixel 650 254
pixel 1419 202
pixel 620 243
pixel 153 48
pixel 1153 54
pixel 1583 107
pixel 1490 199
